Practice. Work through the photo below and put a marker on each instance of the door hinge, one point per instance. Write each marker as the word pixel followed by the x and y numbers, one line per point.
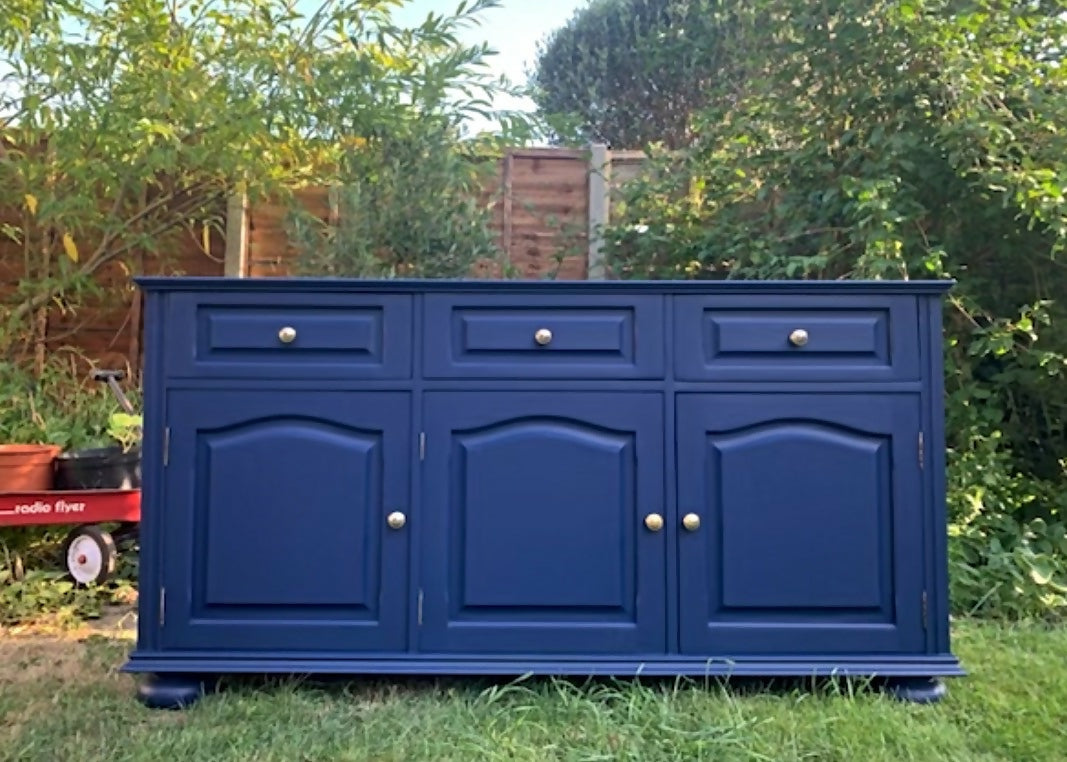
pixel 166 446
pixel 162 606
pixel 422 445
pixel 420 608
pixel 926 611
pixel 922 451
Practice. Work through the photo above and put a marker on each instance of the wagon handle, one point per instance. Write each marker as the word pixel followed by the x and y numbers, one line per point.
pixel 112 377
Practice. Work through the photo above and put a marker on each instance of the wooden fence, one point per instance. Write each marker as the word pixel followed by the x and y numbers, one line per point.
pixel 106 328
pixel 546 202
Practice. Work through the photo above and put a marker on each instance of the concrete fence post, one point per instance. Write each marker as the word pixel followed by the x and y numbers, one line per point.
pixel 599 208
pixel 235 263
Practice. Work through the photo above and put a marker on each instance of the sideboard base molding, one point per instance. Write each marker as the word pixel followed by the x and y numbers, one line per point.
pixel 178 680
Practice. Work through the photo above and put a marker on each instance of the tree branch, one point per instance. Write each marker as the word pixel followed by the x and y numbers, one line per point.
pixel 103 254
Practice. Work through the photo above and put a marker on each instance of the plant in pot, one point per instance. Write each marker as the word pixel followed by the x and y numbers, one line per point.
pixel 26 451
pixel 115 462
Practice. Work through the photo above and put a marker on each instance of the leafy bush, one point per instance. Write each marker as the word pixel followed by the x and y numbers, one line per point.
pixel 59 404
pixel 38 592
pixel 905 140
pixel 1007 513
pixel 124 126
pixel 413 206
pixel 33 587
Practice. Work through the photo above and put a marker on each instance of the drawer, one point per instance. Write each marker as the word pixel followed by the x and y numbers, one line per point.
pixel 544 336
pixel 287 335
pixel 796 338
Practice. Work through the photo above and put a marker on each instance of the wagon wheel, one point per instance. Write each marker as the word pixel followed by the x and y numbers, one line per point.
pixel 90 555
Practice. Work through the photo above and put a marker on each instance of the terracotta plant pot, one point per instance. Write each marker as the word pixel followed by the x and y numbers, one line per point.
pixel 26 468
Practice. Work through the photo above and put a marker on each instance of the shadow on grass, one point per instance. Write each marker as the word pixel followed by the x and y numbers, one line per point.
pixel 487 688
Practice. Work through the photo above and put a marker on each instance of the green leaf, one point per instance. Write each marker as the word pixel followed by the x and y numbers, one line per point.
pixel 1041 572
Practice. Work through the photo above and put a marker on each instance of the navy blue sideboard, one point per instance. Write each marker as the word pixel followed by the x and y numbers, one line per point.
pixel 474 477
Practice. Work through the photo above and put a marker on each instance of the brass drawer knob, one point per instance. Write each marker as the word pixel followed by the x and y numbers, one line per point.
pixel 543 336
pixel 287 335
pixel 654 522
pixel 691 522
pixel 396 520
pixel 798 338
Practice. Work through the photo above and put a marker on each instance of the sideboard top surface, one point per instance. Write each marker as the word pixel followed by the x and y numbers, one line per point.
pixel 355 285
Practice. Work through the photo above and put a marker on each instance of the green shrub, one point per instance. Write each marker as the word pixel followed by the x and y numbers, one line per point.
pixel 905 140
pixel 412 205
pixel 61 405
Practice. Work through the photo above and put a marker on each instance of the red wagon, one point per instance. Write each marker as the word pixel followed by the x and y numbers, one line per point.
pixel 90 551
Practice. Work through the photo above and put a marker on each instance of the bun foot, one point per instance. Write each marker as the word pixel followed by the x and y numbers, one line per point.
pixel 173 691
pixel 916 690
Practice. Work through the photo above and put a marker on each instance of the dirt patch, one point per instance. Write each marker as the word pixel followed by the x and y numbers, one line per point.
pixel 116 621
pixel 44 651
pixel 37 670
pixel 119 622
pixel 26 659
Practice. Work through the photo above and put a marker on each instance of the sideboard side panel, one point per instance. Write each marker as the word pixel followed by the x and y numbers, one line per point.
pixel 935 470
pixel 153 497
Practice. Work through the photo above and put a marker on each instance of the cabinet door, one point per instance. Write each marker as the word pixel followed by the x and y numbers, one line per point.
pixel 810 537
pixel 533 535
pixel 274 520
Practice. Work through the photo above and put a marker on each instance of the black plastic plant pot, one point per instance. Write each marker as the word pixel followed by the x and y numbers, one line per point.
pixel 100 468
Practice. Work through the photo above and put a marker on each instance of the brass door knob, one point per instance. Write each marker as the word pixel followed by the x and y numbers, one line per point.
pixel 798 338
pixel 396 520
pixel 654 522
pixel 287 335
pixel 543 336
pixel 691 522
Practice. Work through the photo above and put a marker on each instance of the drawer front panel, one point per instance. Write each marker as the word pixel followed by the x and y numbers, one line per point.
pixel 554 337
pixel 291 335
pixel 796 338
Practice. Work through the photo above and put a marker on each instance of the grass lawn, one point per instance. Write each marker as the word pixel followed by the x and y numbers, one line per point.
pixel 61 698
